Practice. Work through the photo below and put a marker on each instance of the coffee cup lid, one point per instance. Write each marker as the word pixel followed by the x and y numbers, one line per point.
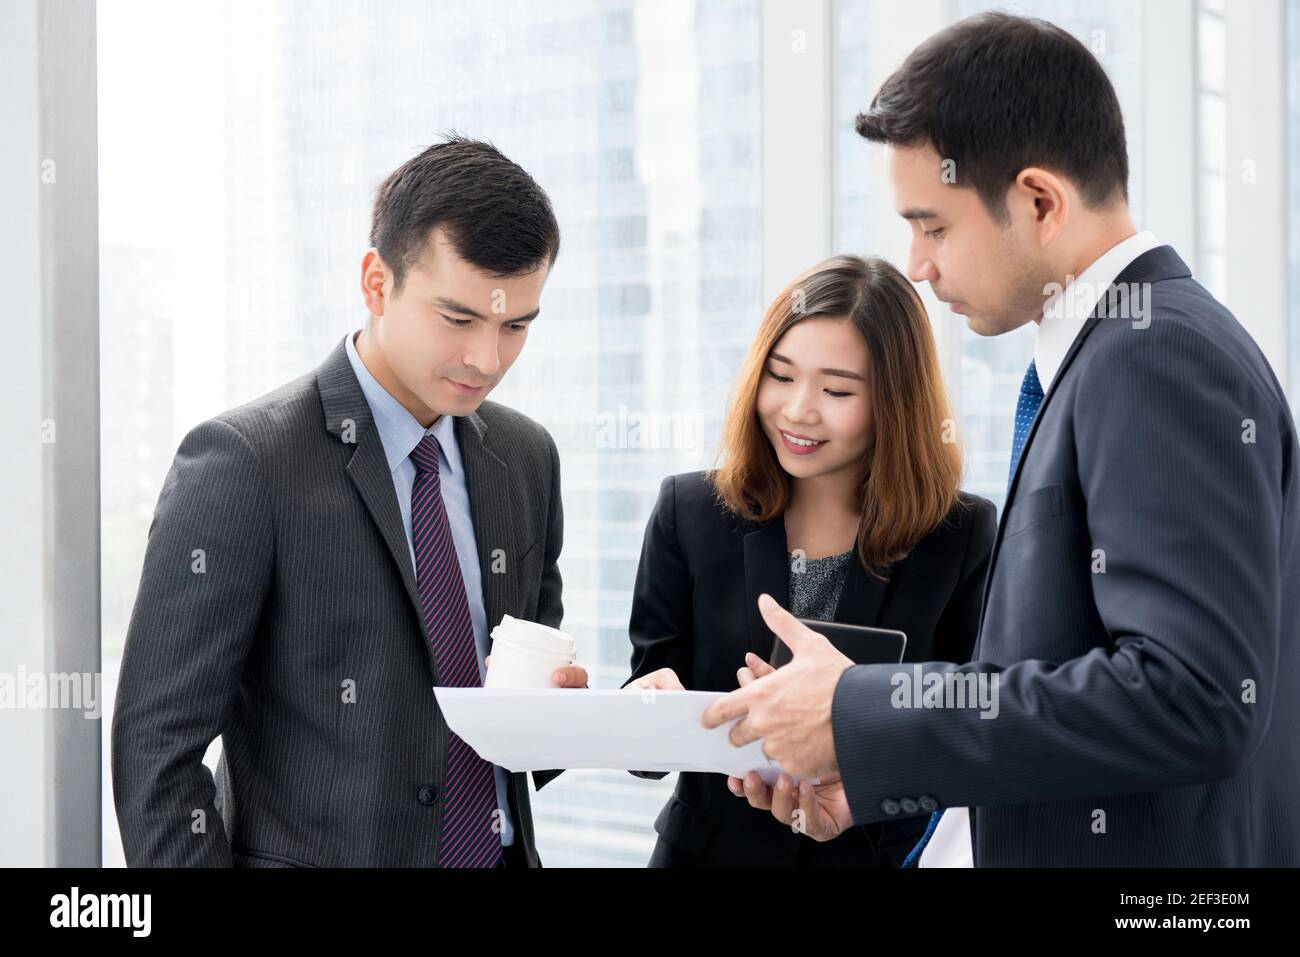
pixel 535 635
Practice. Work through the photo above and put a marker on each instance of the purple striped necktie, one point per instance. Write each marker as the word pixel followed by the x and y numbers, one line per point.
pixel 469 813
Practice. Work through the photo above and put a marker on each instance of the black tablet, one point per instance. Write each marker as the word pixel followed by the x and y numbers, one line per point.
pixel 864 645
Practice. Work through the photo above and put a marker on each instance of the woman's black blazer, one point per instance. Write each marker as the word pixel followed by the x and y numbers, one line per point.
pixel 695 610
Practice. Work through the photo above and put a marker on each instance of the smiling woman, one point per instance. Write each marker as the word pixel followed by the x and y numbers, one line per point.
pixel 874 434
pixel 837 495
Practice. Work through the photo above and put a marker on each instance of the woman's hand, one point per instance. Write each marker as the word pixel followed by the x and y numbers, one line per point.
pixel 665 679
pixel 820 811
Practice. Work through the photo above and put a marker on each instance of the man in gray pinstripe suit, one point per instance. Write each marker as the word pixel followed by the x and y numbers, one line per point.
pixel 323 556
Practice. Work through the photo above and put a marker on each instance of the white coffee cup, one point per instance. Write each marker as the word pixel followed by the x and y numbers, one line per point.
pixel 526 654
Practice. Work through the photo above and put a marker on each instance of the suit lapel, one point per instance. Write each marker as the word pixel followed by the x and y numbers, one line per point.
pixel 348 418
pixel 861 596
pixel 368 470
pixel 1162 262
pixel 767 570
pixel 491 503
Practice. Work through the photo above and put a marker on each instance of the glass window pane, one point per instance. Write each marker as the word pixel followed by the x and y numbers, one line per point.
pixel 1293 184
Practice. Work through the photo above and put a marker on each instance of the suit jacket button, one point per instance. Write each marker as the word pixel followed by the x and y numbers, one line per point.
pixel 889 806
pixel 427 795
pixel 908 805
pixel 928 803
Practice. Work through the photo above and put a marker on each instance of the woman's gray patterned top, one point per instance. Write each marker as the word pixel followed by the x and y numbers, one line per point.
pixel 815 585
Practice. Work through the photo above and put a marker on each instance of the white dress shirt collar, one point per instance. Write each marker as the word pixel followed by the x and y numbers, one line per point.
pixel 400 431
pixel 1065 314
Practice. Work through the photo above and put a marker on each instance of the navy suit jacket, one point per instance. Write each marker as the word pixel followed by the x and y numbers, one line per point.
pixel 1141 616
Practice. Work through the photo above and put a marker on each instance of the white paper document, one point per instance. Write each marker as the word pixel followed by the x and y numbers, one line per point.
pixel 625 729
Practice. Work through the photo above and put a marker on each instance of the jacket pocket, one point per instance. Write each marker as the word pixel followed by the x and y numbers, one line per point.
pixel 686 827
pixel 247 857
pixel 527 552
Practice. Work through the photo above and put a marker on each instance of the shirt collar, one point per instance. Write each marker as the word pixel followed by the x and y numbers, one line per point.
pixel 1065 314
pixel 399 431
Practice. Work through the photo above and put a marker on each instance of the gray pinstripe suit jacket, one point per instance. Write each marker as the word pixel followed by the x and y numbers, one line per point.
pixel 278 609
pixel 1142 614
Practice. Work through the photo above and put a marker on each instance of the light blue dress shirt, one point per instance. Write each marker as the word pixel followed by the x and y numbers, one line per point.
pixel 400 434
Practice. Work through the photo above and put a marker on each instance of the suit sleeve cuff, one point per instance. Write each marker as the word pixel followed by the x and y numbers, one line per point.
pixel 851 751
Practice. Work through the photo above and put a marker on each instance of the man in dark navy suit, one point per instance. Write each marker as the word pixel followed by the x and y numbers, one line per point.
pixel 1131 701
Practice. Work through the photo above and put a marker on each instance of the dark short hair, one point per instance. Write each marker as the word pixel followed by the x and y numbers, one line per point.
pixel 496 216
pixel 996 93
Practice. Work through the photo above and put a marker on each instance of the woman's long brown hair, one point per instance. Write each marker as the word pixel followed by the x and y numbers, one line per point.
pixel 912 469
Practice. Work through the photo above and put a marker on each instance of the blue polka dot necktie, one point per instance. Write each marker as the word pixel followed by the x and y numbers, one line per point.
pixel 470 836
pixel 1031 397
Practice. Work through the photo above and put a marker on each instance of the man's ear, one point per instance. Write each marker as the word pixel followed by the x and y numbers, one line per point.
pixel 1044 199
pixel 375 282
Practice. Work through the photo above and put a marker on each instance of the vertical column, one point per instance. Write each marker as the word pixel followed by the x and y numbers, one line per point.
pixel 797 139
pixel 1169 123
pixel 1256 178
pixel 49 413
